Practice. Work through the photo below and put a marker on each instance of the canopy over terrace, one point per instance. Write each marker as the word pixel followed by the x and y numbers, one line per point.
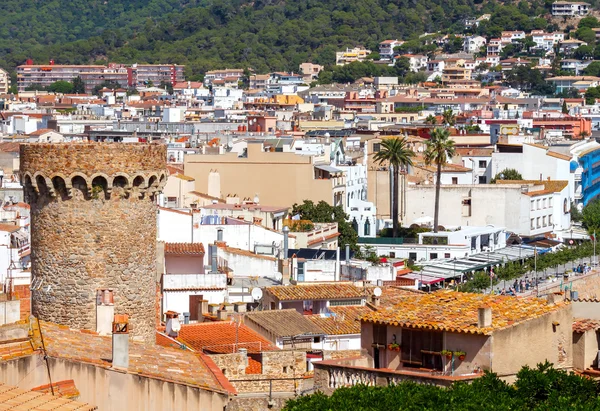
pixel 451 268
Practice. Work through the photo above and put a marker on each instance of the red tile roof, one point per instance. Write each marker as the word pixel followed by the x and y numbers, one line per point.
pixel 18 399
pixel 220 338
pixel 65 389
pixel 254 367
pixel 150 361
pixel 184 249
pixel 581 325
pixel 331 291
pixel 458 312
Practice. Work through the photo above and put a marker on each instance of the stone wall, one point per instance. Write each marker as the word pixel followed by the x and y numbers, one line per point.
pixel 93 225
pixel 282 371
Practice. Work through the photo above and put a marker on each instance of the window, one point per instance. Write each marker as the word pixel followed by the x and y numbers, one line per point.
pixel 412 256
pixel 392 255
pixel 376 147
pixel 544 221
pixel 367 227
pixel 482 180
pixel 538 204
pixel 300 276
pixel 454 180
pixel 532 205
pixel 482 164
pixel 338 303
pixel 446 255
pixel 543 203
pixel 533 223
pixel 550 220
pixel 537 222
pixel 433 256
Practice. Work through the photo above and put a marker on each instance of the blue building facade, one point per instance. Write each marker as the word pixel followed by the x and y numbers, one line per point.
pixel 590 177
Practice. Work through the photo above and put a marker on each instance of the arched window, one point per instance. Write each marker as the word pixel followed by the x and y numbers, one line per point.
pixel 355 225
pixel 367 227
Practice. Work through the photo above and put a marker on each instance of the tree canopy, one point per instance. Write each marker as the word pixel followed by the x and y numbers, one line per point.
pixel 539 388
pixel 507 174
pixel 325 213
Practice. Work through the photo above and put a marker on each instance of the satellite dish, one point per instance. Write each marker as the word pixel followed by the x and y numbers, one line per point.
pixel 256 294
pixel 278 276
pixel 377 292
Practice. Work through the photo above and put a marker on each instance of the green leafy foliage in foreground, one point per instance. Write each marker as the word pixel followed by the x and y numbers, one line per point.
pixel 540 388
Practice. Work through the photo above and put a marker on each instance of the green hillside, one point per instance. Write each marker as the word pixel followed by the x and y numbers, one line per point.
pixel 208 34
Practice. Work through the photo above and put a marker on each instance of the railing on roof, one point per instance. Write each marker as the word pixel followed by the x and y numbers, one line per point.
pixel 387 240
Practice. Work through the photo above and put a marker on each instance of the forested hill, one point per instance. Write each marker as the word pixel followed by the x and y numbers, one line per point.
pixel 208 34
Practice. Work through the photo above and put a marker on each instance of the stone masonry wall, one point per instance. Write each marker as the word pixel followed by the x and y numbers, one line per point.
pixel 93 225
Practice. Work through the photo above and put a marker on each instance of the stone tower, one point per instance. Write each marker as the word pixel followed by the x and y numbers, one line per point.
pixel 93 226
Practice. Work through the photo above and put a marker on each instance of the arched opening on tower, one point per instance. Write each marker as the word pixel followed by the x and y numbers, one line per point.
pixel 41 184
pixel 120 182
pixel 80 187
pixel 153 182
pixel 99 187
pixel 138 182
pixel 60 187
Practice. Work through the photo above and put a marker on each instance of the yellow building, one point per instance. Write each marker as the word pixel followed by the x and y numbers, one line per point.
pixel 276 178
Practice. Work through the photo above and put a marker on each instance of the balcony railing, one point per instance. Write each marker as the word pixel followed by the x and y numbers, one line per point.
pixel 333 374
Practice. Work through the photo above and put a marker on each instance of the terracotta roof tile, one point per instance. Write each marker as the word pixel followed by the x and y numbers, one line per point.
pixel 65 389
pixel 254 367
pixel 184 249
pixel 283 323
pixel 333 291
pixel 151 361
pixel 581 325
pixel 343 320
pixel 18 399
pixel 220 338
pixel 458 312
pixel 550 186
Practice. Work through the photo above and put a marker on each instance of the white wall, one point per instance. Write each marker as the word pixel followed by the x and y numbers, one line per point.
pixel 174 226
pixel 243 236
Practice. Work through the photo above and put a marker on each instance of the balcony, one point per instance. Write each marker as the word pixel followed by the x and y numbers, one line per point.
pixel 333 374
pixel 578 173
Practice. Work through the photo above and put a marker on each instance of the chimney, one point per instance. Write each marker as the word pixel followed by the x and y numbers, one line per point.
pixel 551 299
pixel 375 300
pixel 173 325
pixel 213 308
pixel 240 307
pixel 228 307
pixel 120 341
pixel 105 311
pixel 484 317
pixel 186 318
pixel 222 315
pixel 286 233
pixel 220 234
pixel 213 259
pixel 202 309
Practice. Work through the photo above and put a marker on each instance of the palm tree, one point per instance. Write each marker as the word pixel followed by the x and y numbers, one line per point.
pixel 396 153
pixel 449 117
pixel 439 149
pixel 431 120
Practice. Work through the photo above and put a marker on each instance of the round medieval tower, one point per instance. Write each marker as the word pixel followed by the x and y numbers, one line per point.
pixel 93 226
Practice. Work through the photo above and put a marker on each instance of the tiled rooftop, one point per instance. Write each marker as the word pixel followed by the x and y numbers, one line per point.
pixel 550 186
pixel 458 312
pixel 220 338
pixel 581 325
pixel 184 249
pixel 344 320
pixel 315 292
pixel 18 399
pixel 151 361
pixel 283 323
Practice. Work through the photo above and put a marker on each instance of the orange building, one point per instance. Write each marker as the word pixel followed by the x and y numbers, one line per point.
pixel 576 128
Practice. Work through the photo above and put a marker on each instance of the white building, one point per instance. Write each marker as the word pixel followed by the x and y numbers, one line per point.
pixel 567 8
pixel 528 208
pixel 349 55
pixel 473 44
pixel 386 48
pixel 479 160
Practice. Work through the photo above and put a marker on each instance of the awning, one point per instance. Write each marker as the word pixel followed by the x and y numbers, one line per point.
pixel 329 169
pixel 423 279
